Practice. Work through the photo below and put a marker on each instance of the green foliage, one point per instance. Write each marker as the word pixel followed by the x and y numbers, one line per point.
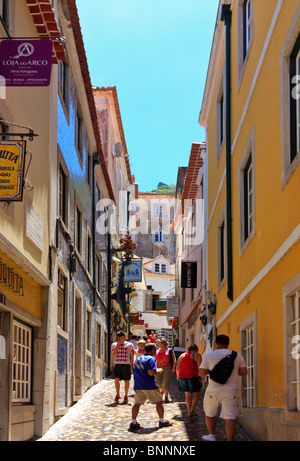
pixel 164 189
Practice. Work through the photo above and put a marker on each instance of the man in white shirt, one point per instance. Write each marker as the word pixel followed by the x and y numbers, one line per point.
pixel 217 394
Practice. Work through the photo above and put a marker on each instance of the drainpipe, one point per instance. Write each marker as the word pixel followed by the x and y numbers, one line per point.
pixel 226 18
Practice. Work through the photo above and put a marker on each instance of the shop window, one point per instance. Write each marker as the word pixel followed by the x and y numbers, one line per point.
pixel 22 350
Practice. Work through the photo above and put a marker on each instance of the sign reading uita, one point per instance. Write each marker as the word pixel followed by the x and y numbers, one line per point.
pixel 12 155
pixel 26 63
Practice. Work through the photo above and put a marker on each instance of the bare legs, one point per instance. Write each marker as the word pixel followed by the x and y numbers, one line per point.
pixel 230 427
pixel 159 409
pixel 191 400
pixel 117 386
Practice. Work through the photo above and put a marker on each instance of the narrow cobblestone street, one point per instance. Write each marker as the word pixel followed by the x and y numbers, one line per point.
pixel 97 418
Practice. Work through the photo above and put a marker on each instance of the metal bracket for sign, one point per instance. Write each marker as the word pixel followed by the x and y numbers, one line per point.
pixel 61 39
pixel 30 135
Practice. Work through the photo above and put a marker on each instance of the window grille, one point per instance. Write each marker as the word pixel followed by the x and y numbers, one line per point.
pixel 22 349
pixel 249 380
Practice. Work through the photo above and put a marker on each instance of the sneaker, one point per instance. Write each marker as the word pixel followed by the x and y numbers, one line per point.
pixel 134 427
pixel 165 424
pixel 209 437
pixel 125 399
pixel 117 398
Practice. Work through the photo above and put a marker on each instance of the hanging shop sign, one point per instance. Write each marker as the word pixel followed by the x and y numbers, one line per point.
pixel 161 305
pixel 133 271
pixel 188 274
pixel 172 306
pixel 12 155
pixel 26 62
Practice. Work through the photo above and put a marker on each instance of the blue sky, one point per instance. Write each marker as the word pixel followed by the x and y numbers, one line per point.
pixel 156 54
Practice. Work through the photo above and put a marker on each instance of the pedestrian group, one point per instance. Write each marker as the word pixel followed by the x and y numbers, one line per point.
pixel 152 363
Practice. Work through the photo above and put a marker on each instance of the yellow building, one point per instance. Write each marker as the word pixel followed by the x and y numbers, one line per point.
pixel 250 111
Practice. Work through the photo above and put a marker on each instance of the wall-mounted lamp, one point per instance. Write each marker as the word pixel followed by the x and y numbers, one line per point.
pixel 212 305
pixel 203 318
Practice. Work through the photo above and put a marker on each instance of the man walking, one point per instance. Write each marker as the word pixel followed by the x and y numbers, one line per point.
pixel 123 352
pixel 145 386
pixel 217 394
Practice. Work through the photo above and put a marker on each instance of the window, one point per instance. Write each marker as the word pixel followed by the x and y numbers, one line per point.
pixel 290 99
pixel 89 170
pixel 221 102
pixel 62 195
pixel 244 34
pixel 99 273
pixel 22 350
pixel 98 340
pixel 295 100
pixel 159 210
pixel 158 236
pixel 248 198
pixel 160 268
pixel 222 243
pixel 61 301
pixel 247 193
pixel 294 334
pixel 220 116
pixel 78 229
pixel 248 352
pixel 88 329
pixel 89 252
pixel 248 348
pixel 88 341
pixel 63 82
pixel 247 18
pixel 79 135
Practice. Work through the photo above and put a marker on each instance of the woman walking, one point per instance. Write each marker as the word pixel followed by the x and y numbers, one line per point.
pixel 167 361
pixel 188 377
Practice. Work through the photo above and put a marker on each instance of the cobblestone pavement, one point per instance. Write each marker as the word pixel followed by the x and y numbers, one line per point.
pixel 97 418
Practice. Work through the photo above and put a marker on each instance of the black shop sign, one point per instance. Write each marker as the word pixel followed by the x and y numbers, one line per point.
pixel 188 274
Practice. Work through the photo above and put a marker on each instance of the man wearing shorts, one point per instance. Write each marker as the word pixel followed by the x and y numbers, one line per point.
pixel 217 394
pixel 145 386
pixel 123 352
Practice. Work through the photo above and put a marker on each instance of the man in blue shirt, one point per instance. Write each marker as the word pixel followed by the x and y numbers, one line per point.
pixel 145 386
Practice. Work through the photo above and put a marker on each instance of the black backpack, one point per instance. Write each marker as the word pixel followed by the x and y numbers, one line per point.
pixel 223 369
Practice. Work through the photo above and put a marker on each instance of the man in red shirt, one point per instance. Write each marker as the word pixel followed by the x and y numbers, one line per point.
pixel 152 337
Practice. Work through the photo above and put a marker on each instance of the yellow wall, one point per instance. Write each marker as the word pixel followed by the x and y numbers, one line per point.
pixel 277 209
pixel 29 107
pixel 31 301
